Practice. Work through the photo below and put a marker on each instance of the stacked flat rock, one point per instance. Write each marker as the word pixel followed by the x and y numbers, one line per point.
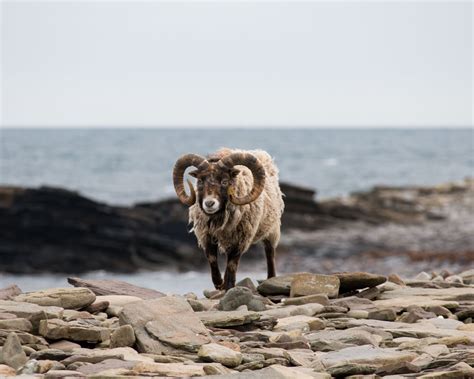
pixel 300 325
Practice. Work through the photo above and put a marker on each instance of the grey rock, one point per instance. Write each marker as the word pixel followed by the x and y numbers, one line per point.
pixel 383 314
pixel 248 283
pixel 50 354
pixel 239 296
pixel 415 313
pixel 278 285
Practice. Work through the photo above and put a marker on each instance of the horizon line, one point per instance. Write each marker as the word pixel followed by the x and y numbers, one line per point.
pixel 234 127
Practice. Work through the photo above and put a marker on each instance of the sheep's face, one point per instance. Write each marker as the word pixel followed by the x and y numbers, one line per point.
pixel 213 184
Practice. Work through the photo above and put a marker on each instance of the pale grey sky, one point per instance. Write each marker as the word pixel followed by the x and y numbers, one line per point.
pixel 106 63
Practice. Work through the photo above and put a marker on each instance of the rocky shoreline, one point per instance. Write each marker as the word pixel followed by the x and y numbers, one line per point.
pixel 396 229
pixel 300 325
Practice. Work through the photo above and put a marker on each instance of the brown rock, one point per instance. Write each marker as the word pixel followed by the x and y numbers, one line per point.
pixel 6 371
pixel 394 278
pixel 9 292
pixel 67 298
pixel 12 352
pixel 123 336
pixel 80 330
pixel 312 284
pixel 357 280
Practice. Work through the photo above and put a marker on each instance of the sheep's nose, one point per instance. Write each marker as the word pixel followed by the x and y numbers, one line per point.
pixel 209 203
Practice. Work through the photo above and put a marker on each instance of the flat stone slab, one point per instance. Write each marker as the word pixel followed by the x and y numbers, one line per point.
pixel 366 354
pixel 417 330
pixel 169 369
pixel 182 331
pixel 448 294
pixel 79 330
pixel 67 298
pixel 222 319
pixel 115 287
pixel 402 303
pixel 314 284
pixel 165 324
pixel 214 352
pixel 32 312
pixel 275 371
pixel 330 340
pixel 310 309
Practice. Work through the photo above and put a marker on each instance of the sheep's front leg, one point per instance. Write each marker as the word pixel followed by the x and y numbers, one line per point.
pixel 233 258
pixel 270 254
pixel 211 254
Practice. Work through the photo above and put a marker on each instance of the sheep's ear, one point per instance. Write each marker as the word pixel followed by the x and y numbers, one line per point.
pixel 234 172
pixel 193 173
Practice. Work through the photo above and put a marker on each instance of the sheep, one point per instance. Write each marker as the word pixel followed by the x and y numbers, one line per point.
pixel 238 203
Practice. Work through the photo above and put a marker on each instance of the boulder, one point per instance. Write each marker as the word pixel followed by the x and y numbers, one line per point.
pixel 214 352
pixel 67 298
pixel 313 284
pixel 239 296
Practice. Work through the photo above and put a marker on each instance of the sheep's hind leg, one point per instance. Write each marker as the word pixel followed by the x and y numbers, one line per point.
pixel 270 254
pixel 233 258
pixel 211 254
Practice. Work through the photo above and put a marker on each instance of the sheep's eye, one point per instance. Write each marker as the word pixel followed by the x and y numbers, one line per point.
pixel 199 181
pixel 224 182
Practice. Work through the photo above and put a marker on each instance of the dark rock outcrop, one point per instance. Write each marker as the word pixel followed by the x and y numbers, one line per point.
pixel 55 230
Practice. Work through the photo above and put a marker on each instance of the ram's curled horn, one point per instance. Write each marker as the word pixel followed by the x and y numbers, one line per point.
pixel 258 173
pixel 180 167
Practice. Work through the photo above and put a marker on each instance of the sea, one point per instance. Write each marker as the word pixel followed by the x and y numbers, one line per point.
pixel 125 166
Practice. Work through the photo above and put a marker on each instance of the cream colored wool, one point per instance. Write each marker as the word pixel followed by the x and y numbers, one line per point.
pixel 247 224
